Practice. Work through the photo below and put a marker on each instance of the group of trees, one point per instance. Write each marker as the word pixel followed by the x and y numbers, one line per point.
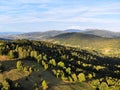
pixel 7 84
pixel 107 83
pixel 67 63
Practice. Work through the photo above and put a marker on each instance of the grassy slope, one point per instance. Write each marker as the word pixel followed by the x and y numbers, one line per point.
pixel 105 45
pixel 36 76
pixel 36 35
pixel 102 33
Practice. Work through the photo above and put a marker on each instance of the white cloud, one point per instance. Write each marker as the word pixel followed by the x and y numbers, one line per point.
pixel 33 11
pixel 76 27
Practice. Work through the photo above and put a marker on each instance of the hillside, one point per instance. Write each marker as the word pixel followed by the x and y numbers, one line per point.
pixel 107 46
pixel 3 39
pixel 10 33
pixel 102 33
pixel 78 39
pixel 33 35
pixel 67 67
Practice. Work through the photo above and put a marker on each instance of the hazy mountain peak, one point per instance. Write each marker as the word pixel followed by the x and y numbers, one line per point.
pixel 73 30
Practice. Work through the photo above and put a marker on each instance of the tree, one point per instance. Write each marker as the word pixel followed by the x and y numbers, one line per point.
pixel 90 76
pixel 74 77
pixel 45 57
pixel 13 54
pixel 34 54
pixel 44 85
pixel 103 86
pixel 52 62
pixel 45 65
pixel 70 79
pixel 110 81
pixel 39 58
pixel 54 71
pixel 5 85
pixel 68 70
pixel 19 65
pixel 30 69
pixel 95 83
pixel 17 86
pixel 61 64
pixel 81 77
pixel 20 52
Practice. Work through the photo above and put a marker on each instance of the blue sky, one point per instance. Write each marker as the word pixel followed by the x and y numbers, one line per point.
pixel 44 15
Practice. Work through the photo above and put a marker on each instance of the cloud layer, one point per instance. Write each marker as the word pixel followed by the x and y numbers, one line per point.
pixel 38 15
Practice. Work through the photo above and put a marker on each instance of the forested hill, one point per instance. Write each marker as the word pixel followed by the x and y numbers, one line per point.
pixel 67 63
pixel 79 39
pixel 77 36
pixel 108 46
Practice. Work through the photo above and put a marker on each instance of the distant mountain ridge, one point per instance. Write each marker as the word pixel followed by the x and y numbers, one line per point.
pixel 8 33
pixel 33 35
pixel 73 30
pixel 39 35
pixel 48 34
pixel 5 39
pixel 102 33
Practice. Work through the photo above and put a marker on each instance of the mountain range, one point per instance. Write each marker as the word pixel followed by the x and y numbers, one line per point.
pixel 102 33
pixel 48 34
pixel 83 40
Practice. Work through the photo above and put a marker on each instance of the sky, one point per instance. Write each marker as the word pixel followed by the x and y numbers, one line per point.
pixel 44 15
